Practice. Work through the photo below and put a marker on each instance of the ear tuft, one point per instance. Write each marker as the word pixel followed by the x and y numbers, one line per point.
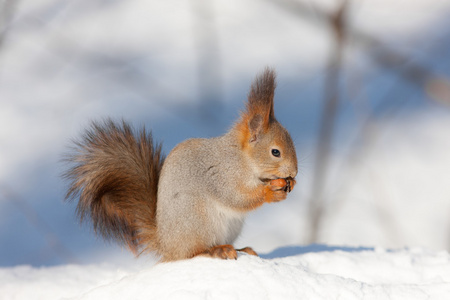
pixel 260 97
pixel 259 115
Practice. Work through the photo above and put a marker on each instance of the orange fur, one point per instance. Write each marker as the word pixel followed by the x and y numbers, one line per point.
pixel 243 131
pixel 273 194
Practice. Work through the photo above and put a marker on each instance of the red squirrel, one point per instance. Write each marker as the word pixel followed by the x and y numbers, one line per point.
pixel 192 203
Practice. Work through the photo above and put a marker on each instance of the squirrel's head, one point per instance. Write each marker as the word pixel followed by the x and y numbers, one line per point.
pixel 267 143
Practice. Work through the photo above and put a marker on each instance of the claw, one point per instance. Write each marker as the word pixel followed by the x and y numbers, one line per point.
pixel 287 188
pixel 289 184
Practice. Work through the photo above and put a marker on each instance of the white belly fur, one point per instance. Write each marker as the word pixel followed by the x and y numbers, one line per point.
pixel 228 224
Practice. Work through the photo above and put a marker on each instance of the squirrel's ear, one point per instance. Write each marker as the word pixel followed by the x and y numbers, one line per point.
pixel 260 101
pixel 255 127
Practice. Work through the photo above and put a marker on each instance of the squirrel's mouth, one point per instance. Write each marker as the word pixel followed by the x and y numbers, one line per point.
pixel 267 179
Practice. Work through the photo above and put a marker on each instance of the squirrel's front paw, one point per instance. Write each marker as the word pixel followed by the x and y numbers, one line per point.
pixel 274 193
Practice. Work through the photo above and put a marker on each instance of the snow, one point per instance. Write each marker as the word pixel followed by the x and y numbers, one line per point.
pixel 313 272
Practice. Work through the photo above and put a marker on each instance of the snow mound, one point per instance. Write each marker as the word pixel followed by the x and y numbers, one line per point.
pixel 314 272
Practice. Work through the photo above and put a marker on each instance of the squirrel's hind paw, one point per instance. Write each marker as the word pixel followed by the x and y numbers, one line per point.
pixel 221 251
pixel 226 252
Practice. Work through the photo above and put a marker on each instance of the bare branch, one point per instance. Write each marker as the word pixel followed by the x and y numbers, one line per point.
pixel 7 10
pixel 331 101
pixel 414 72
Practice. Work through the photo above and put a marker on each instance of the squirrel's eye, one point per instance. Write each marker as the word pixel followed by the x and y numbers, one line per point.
pixel 276 152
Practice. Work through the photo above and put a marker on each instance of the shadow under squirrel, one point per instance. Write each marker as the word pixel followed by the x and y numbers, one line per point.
pixel 194 201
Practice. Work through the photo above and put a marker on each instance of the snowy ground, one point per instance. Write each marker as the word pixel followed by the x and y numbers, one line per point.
pixel 314 272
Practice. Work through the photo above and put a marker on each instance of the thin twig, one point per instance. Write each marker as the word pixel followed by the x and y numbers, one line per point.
pixel 331 99
pixel 414 72
pixel 6 14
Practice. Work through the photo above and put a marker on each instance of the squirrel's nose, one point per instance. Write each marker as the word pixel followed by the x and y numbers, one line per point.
pixel 289 171
pixel 293 174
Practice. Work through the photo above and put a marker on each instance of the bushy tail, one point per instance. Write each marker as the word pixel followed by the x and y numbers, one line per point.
pixel 115 176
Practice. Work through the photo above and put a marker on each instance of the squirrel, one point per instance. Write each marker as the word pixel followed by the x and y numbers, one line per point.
pixel 194 201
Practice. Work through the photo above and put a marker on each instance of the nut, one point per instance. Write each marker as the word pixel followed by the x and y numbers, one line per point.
pixel 280 182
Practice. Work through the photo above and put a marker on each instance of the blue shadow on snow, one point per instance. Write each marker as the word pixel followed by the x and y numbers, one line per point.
pixel 313 248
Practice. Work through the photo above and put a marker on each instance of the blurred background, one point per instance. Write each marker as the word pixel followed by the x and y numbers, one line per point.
pixel 363 87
